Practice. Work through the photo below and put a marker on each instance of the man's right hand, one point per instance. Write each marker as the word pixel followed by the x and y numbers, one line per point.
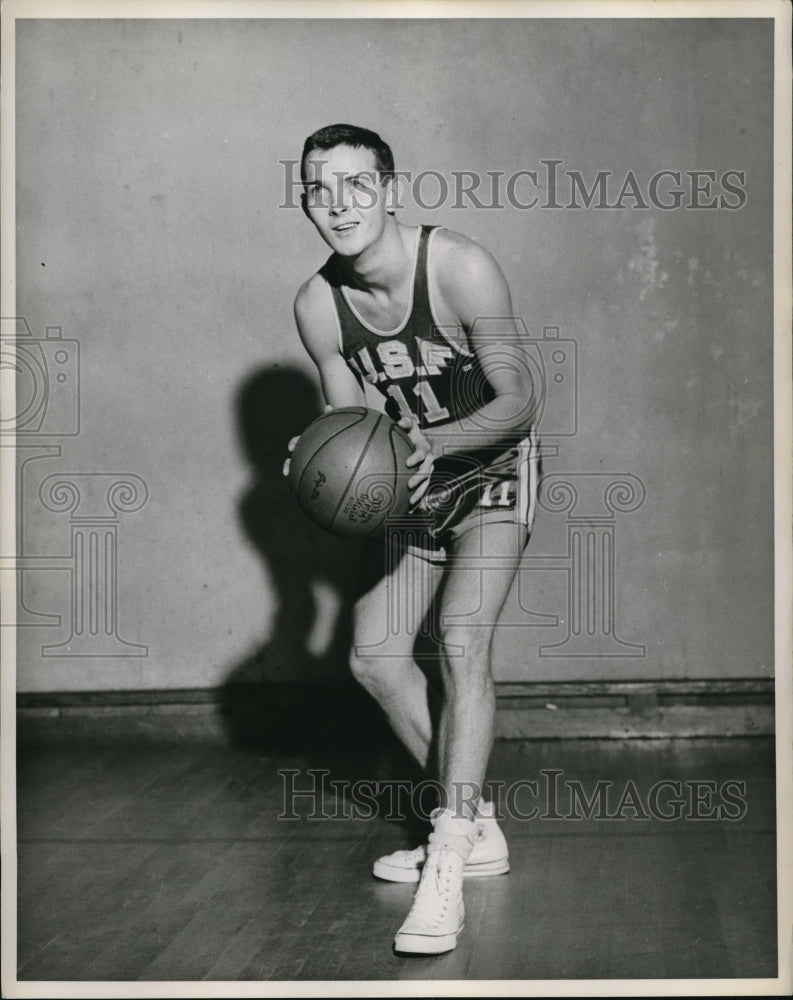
pixel 293 444
pixel 291 447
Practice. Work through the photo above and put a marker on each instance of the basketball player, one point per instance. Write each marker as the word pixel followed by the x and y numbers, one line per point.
pixel 424 315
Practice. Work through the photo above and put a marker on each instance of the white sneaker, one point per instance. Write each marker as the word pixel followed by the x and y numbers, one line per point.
pixel 438 915
pixel 490 854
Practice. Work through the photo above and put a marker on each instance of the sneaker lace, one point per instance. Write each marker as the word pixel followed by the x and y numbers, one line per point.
pixel 434 886
pixel 456 842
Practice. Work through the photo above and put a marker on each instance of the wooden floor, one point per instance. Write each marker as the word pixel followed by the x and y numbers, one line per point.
pixel 170 863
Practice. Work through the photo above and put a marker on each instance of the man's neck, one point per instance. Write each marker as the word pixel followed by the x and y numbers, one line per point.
pixel 383 266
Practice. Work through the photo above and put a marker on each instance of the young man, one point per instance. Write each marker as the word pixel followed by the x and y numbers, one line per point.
pixel 425 316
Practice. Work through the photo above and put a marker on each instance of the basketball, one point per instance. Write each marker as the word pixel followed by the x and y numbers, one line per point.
pixel 348 471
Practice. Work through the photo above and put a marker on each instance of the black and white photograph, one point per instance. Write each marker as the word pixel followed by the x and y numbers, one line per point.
pixel 395 453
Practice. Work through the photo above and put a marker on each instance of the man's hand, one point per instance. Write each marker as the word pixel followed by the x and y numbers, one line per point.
pixel 421 457
pixel 293 444
pixel 290 447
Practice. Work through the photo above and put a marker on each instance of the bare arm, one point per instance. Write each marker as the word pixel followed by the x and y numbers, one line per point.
pixel 316 325
pixel 475 292
pixel 475 289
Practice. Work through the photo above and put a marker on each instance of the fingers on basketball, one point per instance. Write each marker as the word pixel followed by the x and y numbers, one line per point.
pixel 348 471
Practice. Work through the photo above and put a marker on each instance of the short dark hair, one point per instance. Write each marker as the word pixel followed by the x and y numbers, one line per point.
pixel 350 135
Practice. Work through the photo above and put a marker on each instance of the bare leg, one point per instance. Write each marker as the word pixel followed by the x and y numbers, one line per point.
pixel 387 619
pixel 471 602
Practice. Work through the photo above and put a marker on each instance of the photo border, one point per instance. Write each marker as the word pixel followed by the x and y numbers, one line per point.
pixel 780 12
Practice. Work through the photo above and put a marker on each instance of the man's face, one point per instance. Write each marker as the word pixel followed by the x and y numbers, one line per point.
pixel 345 198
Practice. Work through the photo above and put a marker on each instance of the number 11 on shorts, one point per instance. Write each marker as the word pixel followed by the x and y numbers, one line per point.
pixel 503 498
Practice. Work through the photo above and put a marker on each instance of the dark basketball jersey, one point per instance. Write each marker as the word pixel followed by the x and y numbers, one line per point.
pixel 429 372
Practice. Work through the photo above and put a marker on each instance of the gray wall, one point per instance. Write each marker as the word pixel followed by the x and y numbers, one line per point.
pixel 149 230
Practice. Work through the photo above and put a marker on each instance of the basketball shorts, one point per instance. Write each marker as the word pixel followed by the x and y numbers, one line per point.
pixel 467 490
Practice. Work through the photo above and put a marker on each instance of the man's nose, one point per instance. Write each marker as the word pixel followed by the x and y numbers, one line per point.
pixel 341 200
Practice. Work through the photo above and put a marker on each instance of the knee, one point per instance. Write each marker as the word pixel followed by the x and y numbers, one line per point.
pixel 466 652
pixel 363 668
pixel 374 674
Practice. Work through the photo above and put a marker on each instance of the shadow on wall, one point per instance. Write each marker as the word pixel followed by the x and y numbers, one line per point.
pixel 312 575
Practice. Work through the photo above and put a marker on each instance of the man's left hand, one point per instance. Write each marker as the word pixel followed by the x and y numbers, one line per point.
pixel 422 457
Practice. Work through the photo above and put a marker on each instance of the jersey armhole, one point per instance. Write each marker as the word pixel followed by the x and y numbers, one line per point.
pixel 334 312
pixel 339 337
pixel 431 304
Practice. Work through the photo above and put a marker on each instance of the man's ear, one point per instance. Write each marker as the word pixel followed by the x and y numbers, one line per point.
pixel 304 204
pixel 393 193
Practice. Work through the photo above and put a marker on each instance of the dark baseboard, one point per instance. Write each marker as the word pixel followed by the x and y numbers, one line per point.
pixel 287 716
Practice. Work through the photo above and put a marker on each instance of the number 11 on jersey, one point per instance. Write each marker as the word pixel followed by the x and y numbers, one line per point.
pixel 432 409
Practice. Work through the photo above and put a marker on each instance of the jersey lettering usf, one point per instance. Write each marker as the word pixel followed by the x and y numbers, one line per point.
pixel 429 372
